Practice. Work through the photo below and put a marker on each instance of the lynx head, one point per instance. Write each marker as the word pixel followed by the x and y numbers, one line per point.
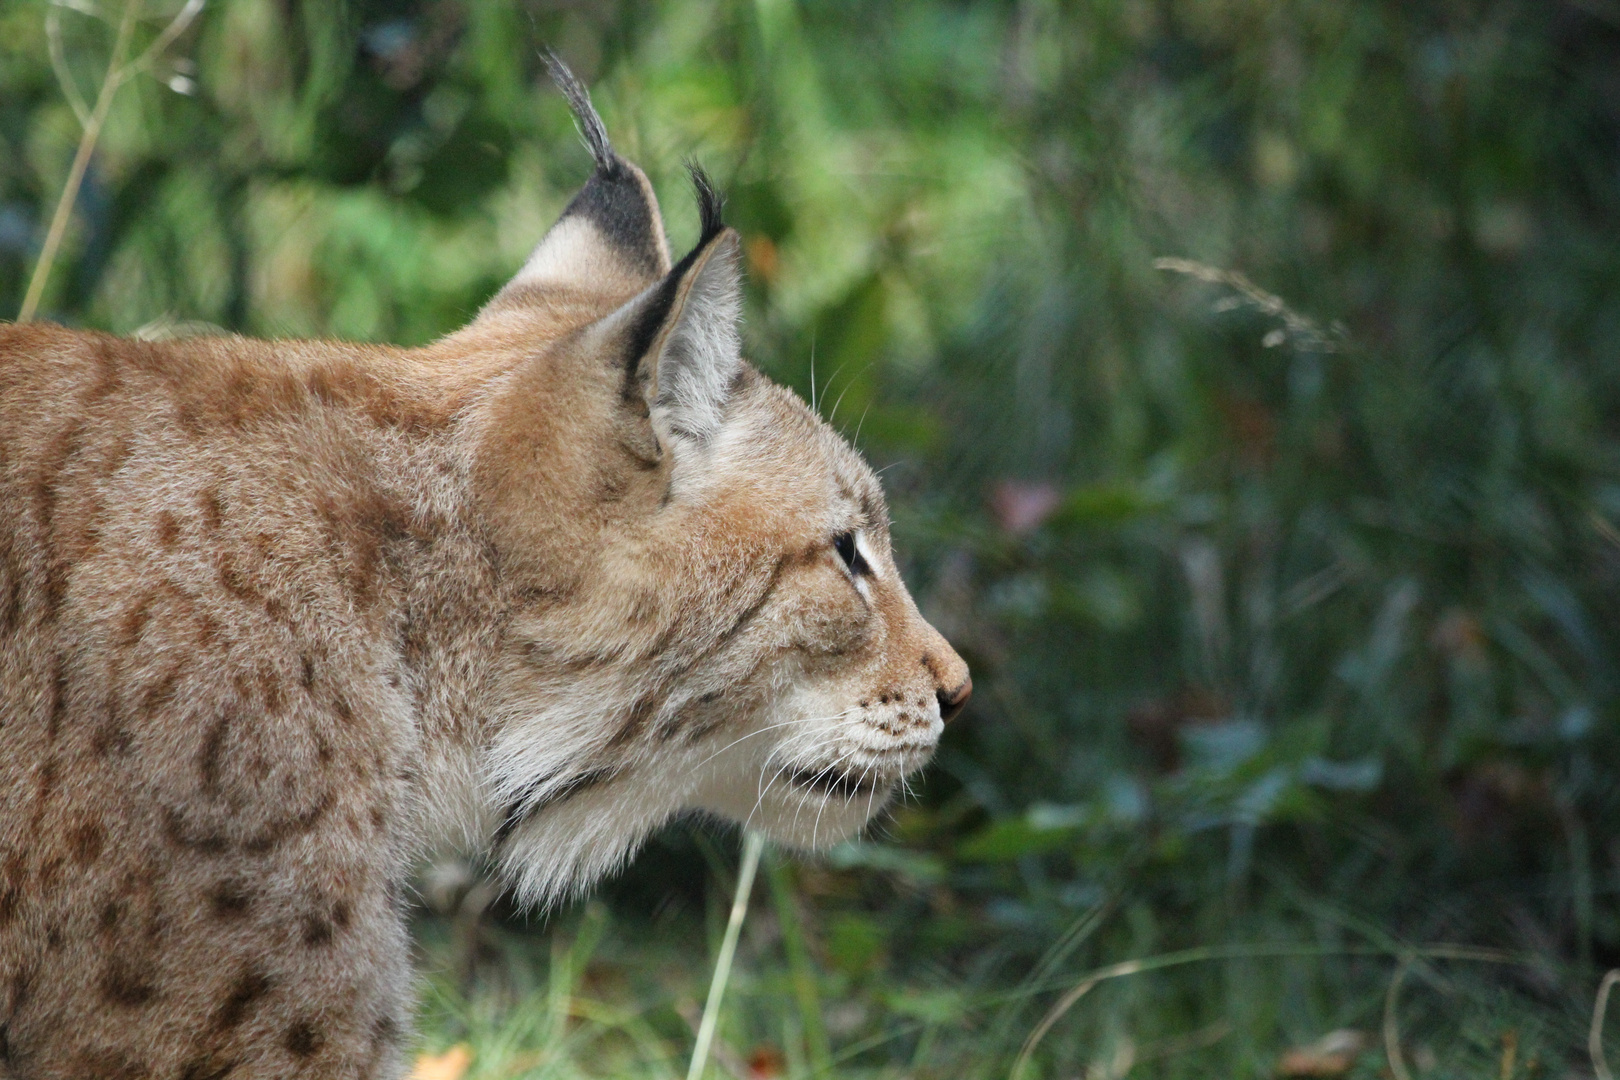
pixel 702 608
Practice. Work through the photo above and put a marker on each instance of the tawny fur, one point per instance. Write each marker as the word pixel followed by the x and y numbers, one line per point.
pixel 277 618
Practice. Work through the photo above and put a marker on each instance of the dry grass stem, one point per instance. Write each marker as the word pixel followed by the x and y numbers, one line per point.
pixel 1466 953
pixel 1392 1027
pixel 1594 1038
pixel 1302 331
pixel 92 120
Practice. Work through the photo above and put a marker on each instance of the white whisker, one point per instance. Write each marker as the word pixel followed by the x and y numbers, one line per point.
pixel 815 826
pixel 773 727
pixel 834 417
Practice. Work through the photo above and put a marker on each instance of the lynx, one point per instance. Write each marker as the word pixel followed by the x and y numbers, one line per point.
pixel 277 618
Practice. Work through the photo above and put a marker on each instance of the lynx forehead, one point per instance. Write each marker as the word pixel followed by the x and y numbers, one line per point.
pixel 276 618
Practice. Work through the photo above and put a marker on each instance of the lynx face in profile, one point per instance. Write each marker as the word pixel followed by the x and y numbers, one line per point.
pixel 277 618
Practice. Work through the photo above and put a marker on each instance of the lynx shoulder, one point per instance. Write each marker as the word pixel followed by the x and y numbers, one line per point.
pixel 276 618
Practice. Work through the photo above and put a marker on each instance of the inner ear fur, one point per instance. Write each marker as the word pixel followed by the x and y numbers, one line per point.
pixel 681 348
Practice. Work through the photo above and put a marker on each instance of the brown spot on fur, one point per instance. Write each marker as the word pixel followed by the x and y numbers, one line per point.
pixel 320 384
pixel 547 594
pixel 270 689
pixel 108 379
pixel 157 924
pixel 10 598
pixel 108 1064
pixel 56 575
pixel 317 931
pixel 229 900
pixel 160 693
pixel 45 785
pixel 134 620
pixel 112 912
pixel 86 842
pixel 176 833
pixel 208 1067
pixel 277 832
pixel 213 509
pixel 58 452
pixel 49 872
pixel 168 530
pixel 22 988
pixel 83 539
pixel 208 757
pixel 345 384
pixel 302 1039
pixel 10 901
pixel 250 986
pixel 208 630
pixel 111 735
pixel 58 707
pixel 306 673
pixel 237 581
pixel 116 455
pixel 591 661
pixel 127 984
pixel 236 399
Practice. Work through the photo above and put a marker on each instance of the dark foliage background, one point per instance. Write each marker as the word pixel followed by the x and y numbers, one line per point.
pixel 1287 572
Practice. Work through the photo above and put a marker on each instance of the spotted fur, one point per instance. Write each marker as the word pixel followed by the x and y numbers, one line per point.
pixel 277 619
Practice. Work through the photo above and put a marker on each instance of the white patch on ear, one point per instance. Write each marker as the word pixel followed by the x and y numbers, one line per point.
pixel 572 252
pixel 702 352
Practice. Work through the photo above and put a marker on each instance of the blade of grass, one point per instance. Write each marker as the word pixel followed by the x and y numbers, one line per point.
pixel 801 968
pixel 753 843
pixel 1392 1028
pixel 1594 1038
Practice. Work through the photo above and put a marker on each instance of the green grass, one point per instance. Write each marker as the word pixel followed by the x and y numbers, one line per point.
pixel 592 995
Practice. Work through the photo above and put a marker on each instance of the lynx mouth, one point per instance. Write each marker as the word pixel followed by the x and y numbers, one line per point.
pixel 832 781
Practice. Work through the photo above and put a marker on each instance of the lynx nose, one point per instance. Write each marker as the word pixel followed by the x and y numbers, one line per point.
pixel 951 701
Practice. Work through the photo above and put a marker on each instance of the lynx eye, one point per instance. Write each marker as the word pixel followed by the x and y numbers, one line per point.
pixel 854 561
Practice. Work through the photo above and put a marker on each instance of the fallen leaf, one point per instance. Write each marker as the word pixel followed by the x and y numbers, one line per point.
pixel 450 1065
pixel 1331 1055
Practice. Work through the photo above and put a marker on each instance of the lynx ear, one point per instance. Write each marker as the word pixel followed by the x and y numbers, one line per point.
pixel 610 238
pixel 682 349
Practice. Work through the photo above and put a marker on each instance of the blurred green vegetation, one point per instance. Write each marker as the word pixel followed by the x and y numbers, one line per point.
pixel 1288 573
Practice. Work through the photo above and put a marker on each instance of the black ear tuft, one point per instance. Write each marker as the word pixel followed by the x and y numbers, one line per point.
pixel 711 203
pixel 579 99
pixel 609 237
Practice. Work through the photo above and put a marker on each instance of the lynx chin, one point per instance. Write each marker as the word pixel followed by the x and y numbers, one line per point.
pixel 277 618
